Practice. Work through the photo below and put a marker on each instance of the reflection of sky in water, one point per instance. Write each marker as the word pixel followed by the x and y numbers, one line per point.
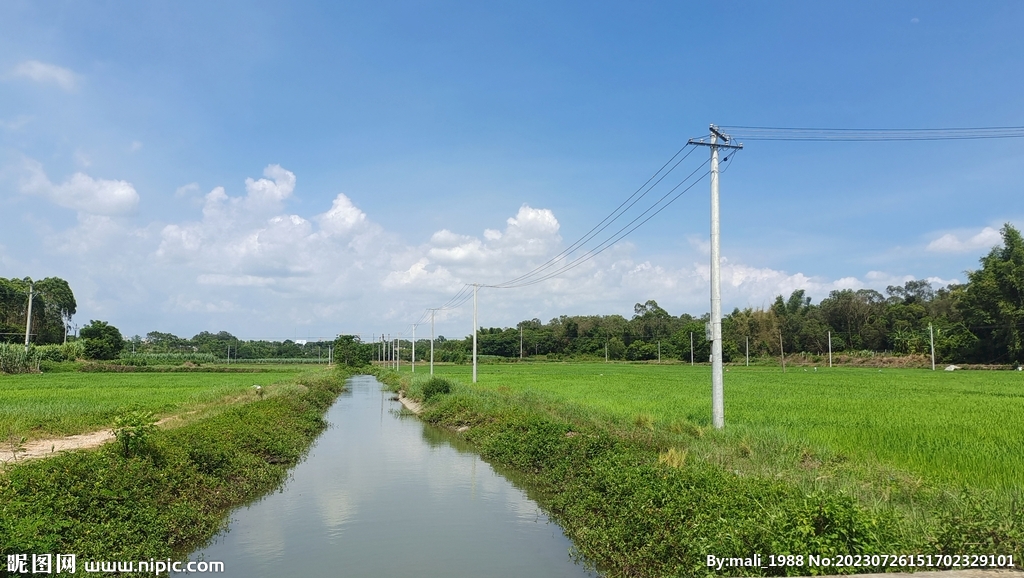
pixel 381 496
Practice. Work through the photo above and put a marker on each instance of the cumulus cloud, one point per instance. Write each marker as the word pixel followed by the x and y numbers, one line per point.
pixel 45 73
pixel 343 217
pixel 950 243
pixel 246 263
pixel 81 192
pixel 449 259
pixel 250 241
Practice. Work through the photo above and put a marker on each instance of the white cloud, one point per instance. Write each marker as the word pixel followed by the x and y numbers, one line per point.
pixel 950 243
pixel 81 192
pixel 248 242
pixel 82 159
pixel 186 190
pixel 247 264
pixel 343 217
pixel 16 123
pixel 46 73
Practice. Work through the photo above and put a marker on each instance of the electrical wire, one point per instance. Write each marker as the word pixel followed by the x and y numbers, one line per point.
pixel 611 218
pixel 543 272
pixel 616 237
pixel 872 134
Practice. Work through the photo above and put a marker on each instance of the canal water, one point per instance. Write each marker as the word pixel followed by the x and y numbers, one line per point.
pixel 382 494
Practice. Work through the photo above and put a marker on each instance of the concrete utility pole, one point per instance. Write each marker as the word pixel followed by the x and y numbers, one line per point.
pixel 414 347
pixel 717 393
pixel 931 335
pixel 432 341
pixel 398 352
pixel 28 317
pixel 782 351
pixel 748 351
pixel 475 287
pixel 691 349
pixel 830 349
pixel 521 342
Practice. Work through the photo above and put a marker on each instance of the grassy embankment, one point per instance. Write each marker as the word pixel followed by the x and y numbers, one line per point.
pixel 829 462
pixel 174 490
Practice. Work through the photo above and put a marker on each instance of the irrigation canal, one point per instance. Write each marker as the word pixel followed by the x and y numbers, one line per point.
pixel 381 494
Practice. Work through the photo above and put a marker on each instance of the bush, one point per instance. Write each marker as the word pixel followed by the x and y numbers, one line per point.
pixel 436 386
pixel 132 431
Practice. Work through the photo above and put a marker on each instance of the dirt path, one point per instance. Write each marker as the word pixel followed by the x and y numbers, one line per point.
pixel 51 446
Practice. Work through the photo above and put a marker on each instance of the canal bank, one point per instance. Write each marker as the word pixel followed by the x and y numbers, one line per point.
pixel 383 494
pixel 637 502
pixel 172 490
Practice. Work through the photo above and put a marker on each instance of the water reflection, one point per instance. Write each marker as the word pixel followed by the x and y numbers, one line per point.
pixel 382 495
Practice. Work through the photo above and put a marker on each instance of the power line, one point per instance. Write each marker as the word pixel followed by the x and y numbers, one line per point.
pixel 616 237
pixel 873 134
pixel 611 218
pixel 465 293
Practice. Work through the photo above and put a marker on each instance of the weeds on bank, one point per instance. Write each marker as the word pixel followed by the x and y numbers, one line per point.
pixel 160 493
pixel 643 498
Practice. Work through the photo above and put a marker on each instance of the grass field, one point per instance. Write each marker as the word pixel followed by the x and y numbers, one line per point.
pixel 54 404
pixel 950 428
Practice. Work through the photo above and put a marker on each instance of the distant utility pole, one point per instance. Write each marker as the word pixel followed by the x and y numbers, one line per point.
pixel 691 349
pixel 520 342
pixel 414 347
pixel 748 351
pixel 398 352
pixel 830 349
pixel 28 317
pixel 432 341
pixel 931 335
pixel 475 287
pixel 659 351
pixel 717 393
pixel 783 352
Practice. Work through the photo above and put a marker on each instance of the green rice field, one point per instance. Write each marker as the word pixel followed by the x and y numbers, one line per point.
pixel 963 428
pixel 53 404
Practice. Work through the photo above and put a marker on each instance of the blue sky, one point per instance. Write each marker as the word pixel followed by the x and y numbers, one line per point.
pixel 381 141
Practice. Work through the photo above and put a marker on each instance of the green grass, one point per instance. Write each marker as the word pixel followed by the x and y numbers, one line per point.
pixel 53 404
pixel 952 428
pixel 845 461
pixel 175 489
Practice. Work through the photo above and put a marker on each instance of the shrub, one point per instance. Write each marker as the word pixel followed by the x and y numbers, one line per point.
pixel 132 430
pixel 436 386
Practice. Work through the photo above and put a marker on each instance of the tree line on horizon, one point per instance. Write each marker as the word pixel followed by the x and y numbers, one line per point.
pixel 980 321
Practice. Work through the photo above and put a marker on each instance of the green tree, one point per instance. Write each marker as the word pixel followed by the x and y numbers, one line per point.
pixel 350 351
pixel 993 302
pixel 101 340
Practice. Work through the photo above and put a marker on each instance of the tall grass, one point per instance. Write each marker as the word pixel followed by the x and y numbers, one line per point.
pixel 15 359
